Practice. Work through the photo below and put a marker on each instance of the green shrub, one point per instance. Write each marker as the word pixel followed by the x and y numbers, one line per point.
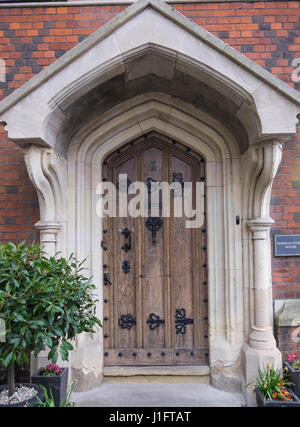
pixel 44 302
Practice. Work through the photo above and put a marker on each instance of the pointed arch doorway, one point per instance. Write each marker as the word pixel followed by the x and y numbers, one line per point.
pixel 155 272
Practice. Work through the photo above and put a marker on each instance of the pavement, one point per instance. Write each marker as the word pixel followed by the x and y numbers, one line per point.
pixel 157 395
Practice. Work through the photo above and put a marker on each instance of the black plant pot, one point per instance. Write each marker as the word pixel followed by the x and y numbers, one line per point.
pixel 28 403
pixel 262 402
pixel 57 384
pixel 294 378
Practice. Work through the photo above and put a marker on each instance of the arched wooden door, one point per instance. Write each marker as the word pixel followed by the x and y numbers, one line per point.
pixel 155 280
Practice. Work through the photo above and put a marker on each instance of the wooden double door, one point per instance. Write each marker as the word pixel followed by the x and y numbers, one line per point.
pixel 155 272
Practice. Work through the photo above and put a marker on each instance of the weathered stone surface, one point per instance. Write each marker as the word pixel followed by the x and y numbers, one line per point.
pixel 289 315
pixel 252 360
pixel 126 371
pixel 157 395
pixel 86 381
pixel 158 379
pixel 156 374
pixel 226 377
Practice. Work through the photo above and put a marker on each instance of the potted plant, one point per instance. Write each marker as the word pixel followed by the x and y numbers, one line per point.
pixel 49 401
pixel 54 379
pixel 44 303
pixel 272 389
pixel 293 368
pixel 24 395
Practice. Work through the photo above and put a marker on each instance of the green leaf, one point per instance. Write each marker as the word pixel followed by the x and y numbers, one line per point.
pixel 67 345
pixel 48 342
pixel 19 317
pixel 58 332
pixel 33 326
pixel 16 282
pixel 64 353
pixel 9 359
pixel 26 359
pixel 39 322
pixel 54 356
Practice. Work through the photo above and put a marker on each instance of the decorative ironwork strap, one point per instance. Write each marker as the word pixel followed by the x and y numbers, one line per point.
pixel 126 266
pixel 154 224
pixel 154 321
pixel 178 177
pixel 127 321
pixel 106 280
pixel 181 321
pixel 127 245
pixel 149 180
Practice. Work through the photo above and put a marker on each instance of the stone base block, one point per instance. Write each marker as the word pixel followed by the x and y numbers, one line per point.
pixel 252 360
pixel 226 376
pixel 87 363
pixel 86 381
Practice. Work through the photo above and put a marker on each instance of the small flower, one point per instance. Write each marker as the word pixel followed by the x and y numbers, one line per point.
pixel 52 369
pixel 292 357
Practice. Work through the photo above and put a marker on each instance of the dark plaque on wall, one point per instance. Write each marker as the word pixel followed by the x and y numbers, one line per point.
pixel 287 245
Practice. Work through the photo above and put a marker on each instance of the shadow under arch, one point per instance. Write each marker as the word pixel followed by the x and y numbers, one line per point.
pixel 148 69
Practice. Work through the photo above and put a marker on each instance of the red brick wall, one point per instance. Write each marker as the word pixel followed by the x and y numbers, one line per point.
pixel 18 199
pixel 285 210
pixel 32 38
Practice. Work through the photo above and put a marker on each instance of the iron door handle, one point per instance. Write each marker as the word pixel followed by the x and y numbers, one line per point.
pixel 127 245
pixel 154 224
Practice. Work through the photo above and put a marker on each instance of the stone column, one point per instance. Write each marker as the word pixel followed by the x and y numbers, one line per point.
pixel 261 350
pixel 48 241
pixel 261 336
pixel 48 236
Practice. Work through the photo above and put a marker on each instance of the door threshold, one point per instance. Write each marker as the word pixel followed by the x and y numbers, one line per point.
pixel 156 374
pixel 129 371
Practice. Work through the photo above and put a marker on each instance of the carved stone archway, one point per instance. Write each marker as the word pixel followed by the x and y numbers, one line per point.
pixel 151 69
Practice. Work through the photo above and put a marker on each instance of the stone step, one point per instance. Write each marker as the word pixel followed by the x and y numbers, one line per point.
pixel 156 374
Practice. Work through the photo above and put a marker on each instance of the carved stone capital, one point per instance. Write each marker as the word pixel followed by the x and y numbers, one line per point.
pixel 48 233
pixel 260 228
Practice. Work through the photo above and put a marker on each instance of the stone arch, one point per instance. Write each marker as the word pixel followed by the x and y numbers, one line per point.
pixel 220 150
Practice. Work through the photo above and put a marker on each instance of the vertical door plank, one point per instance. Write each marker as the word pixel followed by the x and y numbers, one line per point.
pixel 153 282
pixel 182 277
pixel 125 300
